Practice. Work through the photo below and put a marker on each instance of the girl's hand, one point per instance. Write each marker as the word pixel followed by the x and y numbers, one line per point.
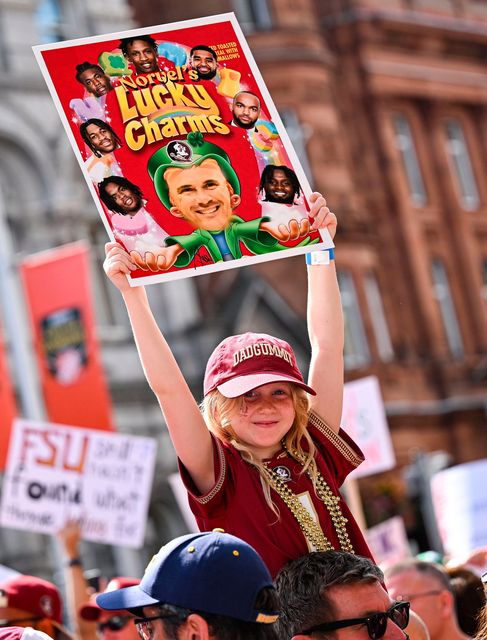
pixel 117 265
pixel 323 218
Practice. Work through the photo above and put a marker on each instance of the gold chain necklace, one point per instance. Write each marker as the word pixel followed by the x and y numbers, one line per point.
pixel 309 526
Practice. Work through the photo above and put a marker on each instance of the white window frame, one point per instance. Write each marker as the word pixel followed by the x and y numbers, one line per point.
pixel 461 164
pixel 407 148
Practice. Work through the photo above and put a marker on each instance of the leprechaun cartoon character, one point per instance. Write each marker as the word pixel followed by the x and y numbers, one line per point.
pixel 195 181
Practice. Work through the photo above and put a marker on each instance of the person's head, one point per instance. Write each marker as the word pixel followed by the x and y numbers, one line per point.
pixel 202 196
pixel 111 625
pixel 337 595
pixel 245 109
pixel 204 60
pixel 469 594
pixel 195 181
pixel 416 629
pixel 99 136
pixel 120 195
pixel 427 587
pixel 482 625
pixel 28 601
pixel 22 633
pixel 93 78
pixel 141 51
pixel 255 394
pixel 203 585
pixel 279 184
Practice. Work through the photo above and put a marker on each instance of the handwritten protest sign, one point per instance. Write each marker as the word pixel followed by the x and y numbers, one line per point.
pixel 55 472
pixel 364 419
pixel 182 147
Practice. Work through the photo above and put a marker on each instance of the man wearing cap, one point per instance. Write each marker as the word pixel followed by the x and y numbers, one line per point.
pixel 110 625
pixel 196 182
pixel 202 586
pixel 28 601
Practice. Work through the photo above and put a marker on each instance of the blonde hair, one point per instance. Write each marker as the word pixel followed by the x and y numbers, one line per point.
pixel 217 411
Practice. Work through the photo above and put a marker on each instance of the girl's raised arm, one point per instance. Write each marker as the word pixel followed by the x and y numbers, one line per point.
pixel 325 327
pixel 188 431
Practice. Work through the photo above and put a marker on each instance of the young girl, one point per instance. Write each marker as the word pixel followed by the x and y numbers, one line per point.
pixel 265 457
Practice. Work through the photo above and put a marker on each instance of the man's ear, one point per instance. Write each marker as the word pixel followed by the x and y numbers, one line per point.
pixel 447 601
pixel 195 628
pixel 176 212
pixel 235 200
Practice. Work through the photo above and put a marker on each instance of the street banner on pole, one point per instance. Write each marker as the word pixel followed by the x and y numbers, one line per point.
pixel 8 409
pixel 57 288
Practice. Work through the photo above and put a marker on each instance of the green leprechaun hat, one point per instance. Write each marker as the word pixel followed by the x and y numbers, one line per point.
pixel 183 154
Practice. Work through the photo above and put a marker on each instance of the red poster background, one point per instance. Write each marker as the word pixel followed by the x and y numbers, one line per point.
pixel 8 409
pixel 57 287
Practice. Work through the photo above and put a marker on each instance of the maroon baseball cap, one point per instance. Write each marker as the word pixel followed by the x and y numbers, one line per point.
pixel 249 360
pixel 91 611
pixel 35 595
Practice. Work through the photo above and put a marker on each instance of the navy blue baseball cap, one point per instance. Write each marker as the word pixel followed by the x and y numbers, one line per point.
pixel 211 572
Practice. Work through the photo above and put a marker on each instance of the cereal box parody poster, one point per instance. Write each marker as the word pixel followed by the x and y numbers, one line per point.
pixel 182 147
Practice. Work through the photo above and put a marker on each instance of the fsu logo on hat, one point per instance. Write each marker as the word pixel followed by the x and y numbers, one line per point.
pixel 47 606
pixel 64 342
pixel 179 151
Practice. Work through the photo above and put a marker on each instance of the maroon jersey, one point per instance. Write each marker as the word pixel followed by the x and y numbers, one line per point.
pixel 237 504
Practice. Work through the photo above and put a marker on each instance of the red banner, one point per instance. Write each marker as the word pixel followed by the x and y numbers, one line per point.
pixel 8 409
pixel 57 287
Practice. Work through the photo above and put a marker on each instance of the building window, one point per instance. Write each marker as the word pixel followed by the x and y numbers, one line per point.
pixel 462 167
pixel 49 21
pixel 299 135
pixel 407 148
pixel 253 14
pixel 377 315
pixel 484 280
pixel 442 293
pixel 356 348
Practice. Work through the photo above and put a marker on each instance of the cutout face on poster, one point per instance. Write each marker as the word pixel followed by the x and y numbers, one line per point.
pixel 182 147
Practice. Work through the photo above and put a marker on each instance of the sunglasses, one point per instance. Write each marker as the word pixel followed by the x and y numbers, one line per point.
pixel 114 624
pixel 145 628
pixel 414 596
pixel 376 623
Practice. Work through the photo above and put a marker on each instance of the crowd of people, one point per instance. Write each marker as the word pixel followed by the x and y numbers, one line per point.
pixel 215 586
pixel 279 554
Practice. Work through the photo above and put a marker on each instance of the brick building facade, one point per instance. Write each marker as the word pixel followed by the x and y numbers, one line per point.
pixel 388 99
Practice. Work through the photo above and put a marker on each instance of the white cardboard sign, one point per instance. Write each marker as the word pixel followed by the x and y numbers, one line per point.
pixel 364 419
pixel 56 472
pixel 460 503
